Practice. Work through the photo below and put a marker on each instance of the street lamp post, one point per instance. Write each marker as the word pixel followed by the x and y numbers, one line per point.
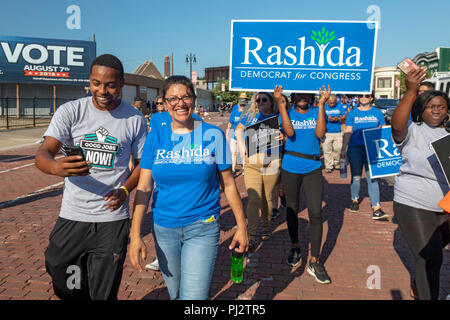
pixel 190 58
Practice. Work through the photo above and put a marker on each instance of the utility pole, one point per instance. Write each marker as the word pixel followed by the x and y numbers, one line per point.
pixel 190 58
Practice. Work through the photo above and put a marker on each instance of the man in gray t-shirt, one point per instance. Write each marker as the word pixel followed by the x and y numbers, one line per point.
pixel 88 244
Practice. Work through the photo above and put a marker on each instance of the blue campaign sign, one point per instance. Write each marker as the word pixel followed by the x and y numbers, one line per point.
pixel 50 61
pixel 302 55
pixel 382 153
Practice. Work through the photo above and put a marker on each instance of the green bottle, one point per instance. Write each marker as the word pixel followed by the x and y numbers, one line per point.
pixel 237 266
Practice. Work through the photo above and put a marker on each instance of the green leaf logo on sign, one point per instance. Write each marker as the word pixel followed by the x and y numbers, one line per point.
pixel 322 38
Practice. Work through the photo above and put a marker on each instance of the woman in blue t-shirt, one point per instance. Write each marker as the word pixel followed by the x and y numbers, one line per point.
pixel 361 118
pixel 186 159
pixel 304 126
pixel 261 169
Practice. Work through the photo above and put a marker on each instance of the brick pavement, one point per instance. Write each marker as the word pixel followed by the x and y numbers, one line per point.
pixel 354 245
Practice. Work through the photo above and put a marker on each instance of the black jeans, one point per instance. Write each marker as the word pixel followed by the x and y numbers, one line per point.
pixel 85 260
pixel 426 233
pixel 313 188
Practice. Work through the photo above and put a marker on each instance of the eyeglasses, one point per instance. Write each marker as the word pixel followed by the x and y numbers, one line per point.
pixel 367 96
pixel 434 107
pixel 173 101
pixel 259 100
pixel 158 103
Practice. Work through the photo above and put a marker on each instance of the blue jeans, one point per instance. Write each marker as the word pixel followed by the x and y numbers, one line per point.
pixel 187 256
pixel 357 159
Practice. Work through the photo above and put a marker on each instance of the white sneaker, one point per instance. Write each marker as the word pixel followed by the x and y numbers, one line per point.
pixel 153 266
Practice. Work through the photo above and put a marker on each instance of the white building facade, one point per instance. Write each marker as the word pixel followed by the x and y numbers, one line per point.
pixel 385 82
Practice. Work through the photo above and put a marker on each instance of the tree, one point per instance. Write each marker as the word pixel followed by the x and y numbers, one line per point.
pixel 226 96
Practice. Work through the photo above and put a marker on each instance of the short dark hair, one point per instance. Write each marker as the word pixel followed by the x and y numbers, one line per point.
pixel 178 80
pixel 421 102
pixel 295 96
pixel 427 84
pixel 110 61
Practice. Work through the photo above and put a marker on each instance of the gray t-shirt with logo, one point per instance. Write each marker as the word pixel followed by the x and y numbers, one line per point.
pixel 108 139
pixel 420 182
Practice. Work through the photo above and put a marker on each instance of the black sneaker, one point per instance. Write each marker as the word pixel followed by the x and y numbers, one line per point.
pixel 379 215
pixel 282 202
pixel 318 271
pixel 354 207
pixel 275 213
pixel 294 257
pixel 252 246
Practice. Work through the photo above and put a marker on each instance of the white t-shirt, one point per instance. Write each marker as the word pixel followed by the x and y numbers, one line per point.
pixel 108 138
pixel 420 182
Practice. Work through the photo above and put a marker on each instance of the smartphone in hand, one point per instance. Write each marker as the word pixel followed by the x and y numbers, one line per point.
pixel 73 151
pixel 407 65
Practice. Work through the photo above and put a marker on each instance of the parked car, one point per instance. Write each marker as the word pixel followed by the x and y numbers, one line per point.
pixel 387 106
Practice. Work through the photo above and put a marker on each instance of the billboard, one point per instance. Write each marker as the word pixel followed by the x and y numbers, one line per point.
pixel 49 61
pixel 302 55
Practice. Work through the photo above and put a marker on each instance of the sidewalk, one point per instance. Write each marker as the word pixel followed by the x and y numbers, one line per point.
pixel 20 137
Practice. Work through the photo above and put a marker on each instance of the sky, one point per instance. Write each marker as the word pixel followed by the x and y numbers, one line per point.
pixel 140 30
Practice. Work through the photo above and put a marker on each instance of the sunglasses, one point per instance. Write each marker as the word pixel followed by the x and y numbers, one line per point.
pixel 368 96
pixel 158 103
pixel 259 100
